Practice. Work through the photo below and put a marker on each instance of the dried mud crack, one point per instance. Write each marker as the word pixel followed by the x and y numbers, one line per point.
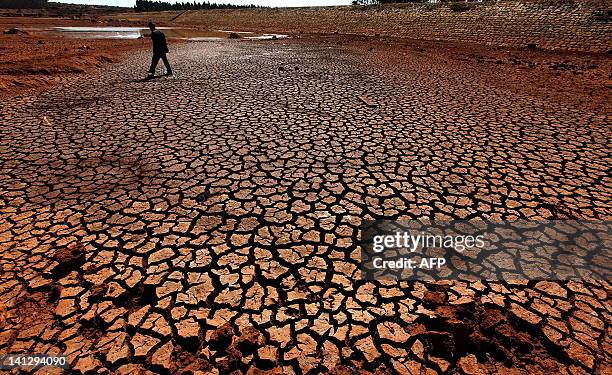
pixel 208 223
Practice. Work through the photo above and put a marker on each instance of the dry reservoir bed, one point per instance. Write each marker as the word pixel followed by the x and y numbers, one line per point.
pixel 209 221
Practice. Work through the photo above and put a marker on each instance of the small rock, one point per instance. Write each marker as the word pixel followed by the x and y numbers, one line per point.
pixel 234 36
pixel 97 292
pixel 221 338
pixel 42 71
pixel 249 341
pixel 434 298
pixel 367 101
pixel 15 31
pixel 68 259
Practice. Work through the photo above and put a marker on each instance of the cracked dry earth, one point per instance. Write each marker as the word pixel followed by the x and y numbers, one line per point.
pixel 208 223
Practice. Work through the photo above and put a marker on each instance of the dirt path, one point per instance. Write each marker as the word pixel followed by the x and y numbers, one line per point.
pixel 209 221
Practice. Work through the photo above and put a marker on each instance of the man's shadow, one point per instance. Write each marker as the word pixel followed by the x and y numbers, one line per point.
pixel 150 78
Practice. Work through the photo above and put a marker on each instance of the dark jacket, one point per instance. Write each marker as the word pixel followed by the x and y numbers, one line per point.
pixel 159 42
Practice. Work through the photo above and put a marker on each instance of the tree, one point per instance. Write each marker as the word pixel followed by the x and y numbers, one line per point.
pixel 156 6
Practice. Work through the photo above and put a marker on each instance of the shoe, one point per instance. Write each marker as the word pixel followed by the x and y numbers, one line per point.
pixel 169 74
pixel 150 76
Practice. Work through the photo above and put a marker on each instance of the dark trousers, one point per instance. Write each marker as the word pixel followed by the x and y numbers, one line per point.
pixel 155 60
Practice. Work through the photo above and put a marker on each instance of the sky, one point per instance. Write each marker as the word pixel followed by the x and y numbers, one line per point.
pixel 270 3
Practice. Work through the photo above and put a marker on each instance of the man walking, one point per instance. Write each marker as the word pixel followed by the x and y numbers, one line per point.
pixel 160 49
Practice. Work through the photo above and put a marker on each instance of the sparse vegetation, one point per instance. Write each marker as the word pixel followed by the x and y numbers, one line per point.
pixel 603 15
pixel 459 7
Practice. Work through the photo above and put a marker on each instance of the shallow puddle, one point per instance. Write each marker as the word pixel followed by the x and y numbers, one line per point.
pixel 110 32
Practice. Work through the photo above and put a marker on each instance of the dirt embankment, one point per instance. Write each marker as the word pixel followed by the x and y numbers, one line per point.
pixel 552 25
pixel 32 59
